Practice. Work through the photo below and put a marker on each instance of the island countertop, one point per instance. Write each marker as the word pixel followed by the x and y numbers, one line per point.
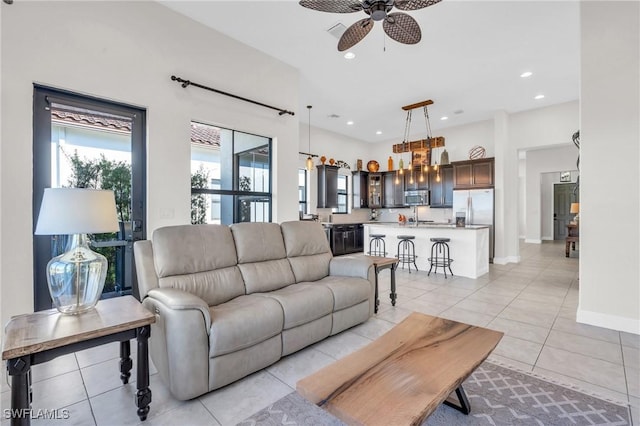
pixel 469 245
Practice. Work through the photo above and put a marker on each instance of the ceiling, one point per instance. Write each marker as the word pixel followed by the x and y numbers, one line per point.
pixel 470 59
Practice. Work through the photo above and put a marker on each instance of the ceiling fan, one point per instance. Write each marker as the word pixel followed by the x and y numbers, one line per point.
pixel 399 26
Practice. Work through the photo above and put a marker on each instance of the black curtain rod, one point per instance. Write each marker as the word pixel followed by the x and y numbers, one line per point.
pixel 186 83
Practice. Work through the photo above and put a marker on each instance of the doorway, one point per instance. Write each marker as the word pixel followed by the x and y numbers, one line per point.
pixel 85 142
pixel 563 196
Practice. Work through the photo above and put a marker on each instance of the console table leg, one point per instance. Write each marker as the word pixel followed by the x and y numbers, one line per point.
pixel 393 284
pixel 143 394
pixel 125 361
pixel 377 301
pixel 20 371
pixel 464 407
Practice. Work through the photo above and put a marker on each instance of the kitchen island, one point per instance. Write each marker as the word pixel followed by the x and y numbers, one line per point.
pixel 469 245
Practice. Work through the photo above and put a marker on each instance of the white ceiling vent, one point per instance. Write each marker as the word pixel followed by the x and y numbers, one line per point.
pixel 337 30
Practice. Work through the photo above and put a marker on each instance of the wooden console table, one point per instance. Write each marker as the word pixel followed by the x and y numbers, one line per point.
pixel 381 263
pixel 573 236
pixel 42 336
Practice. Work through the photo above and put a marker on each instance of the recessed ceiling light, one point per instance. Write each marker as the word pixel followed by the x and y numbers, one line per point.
pixel 444 118
pixel 526 74
pixel 349 123
pixel 379 132
pixel 349 55
pixel 539 97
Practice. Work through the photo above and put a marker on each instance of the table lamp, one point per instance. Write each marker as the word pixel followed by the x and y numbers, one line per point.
pixel 76 277
pixel 575 209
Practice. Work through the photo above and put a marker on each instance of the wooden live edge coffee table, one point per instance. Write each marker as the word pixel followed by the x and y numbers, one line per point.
pixel 403 376
pixel 42 336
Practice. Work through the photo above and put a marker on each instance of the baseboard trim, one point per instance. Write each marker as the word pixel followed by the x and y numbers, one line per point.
pixel 547 238
pixel 614 322
pixel 505 260
pixel 533 241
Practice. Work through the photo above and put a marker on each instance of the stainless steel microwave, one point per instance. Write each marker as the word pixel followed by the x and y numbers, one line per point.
pixel 416 198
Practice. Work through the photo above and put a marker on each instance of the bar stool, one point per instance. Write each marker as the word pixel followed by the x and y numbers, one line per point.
pixel 407 251
pixel 377 245
pixel 440 256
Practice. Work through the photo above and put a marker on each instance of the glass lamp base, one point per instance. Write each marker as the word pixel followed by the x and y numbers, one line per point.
pixel 76 278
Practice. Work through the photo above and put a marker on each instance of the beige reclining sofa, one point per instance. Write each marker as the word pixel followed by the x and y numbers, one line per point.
pixel 231 300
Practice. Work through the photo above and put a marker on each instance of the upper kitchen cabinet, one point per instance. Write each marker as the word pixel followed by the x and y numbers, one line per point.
pixel 442 189
pixel 375 190
pixel 393 193
pixel 420 180
pixel 473 173
pixel 327 186
pixel 360 189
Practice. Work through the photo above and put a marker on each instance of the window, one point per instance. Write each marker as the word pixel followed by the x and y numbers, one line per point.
pixel 230 176
pixel 302 191
pixel 343 186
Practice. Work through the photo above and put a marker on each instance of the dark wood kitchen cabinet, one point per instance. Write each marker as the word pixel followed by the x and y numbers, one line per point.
pixel 360 190
pixel 473 174
pixel 375 190
pixel 442 190
pixel 393 191
pixel 327 186
pixel 347 239
pixel 420 180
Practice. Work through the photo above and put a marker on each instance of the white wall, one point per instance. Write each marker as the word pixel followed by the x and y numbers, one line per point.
pixel 539 192
pixel 127 51
pixel 610 177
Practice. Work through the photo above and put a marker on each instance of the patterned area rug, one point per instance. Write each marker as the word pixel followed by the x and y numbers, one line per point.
pixel 498 396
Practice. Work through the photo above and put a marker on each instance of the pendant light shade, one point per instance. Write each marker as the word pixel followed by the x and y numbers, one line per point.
pixel 309 164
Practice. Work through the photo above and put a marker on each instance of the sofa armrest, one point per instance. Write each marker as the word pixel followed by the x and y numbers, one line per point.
pixel 350 267
pixel 176 299
pixel 179 342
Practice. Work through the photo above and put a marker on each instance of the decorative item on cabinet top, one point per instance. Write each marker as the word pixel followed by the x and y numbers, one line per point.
pixel 477 152
pixel 373 166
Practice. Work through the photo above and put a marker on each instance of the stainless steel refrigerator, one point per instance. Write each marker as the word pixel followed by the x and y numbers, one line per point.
pixel 478 208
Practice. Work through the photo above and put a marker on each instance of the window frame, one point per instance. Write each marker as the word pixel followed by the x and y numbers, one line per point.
pixel 236 193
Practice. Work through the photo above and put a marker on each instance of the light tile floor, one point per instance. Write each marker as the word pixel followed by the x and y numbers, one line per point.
pixel 533 303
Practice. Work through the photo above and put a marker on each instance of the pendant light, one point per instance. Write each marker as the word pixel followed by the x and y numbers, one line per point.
pixel 309 159
pixel 425 167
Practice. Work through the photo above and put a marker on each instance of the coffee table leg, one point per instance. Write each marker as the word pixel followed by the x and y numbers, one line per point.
pixel 143 394
pixel 20 372
pixel 125 361
pixel 393 284
pixel 464 407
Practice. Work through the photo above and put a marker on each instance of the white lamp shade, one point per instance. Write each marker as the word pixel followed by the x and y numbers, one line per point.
pixel 67 211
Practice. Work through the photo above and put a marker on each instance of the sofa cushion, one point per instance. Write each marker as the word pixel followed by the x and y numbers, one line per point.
pixel 258 241
pixel 261 256
pixel 214 287
pixel 310 268
pixel 304 238
pixel 303 303
pixel 347 291
pixel 243 322
pixel 266 276
pixel 187 249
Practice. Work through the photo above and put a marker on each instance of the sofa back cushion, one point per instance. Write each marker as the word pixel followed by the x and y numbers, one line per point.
pixel 199 259
pixel 261 256
pixel 308 249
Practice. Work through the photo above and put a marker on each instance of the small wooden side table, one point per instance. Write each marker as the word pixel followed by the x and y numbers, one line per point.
pixel 32 339
pixel 381 263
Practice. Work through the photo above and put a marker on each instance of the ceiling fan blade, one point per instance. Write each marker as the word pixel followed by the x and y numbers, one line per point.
pixel 333 6
pixel 355 33
pixel 402 28
pixel 414 4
